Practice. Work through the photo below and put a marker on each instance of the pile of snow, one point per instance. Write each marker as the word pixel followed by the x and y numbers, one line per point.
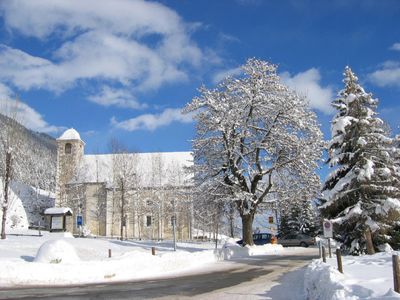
pixel 232 250
pixel 56 251
pixel 365 277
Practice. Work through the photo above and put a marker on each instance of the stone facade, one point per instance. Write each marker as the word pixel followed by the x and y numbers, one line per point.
pixel 87 184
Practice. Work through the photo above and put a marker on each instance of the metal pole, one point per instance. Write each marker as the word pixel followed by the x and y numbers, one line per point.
pixel 323 254
pixel 319 249
pixel 40 233
pixel 329 246
pixel 174 230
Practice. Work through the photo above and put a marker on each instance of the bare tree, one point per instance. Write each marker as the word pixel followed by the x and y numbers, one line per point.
pixel 123 179
pixel 9 142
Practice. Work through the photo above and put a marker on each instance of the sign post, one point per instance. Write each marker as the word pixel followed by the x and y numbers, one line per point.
pixel 79 224
pixel 328 233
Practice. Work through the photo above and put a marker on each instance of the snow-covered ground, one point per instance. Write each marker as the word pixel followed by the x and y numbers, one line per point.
pixel 56 259
pixel 365 277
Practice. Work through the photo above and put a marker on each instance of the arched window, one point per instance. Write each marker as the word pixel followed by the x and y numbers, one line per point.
pixel 68 148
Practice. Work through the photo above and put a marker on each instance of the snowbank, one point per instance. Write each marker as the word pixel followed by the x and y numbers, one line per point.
pixel 232 250
pixel 365 277
pixel 56 251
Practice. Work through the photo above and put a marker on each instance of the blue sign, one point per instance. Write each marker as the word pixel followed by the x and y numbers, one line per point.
pixel 79 221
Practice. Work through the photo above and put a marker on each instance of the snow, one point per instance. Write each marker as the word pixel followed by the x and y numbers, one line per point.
pixel 340 124
pixel 16 215
pixel 56 251
pixel 70 134
pixel 232 250
pixel 367 171
pixel 57 211
pixel 365 277
pixel 52 259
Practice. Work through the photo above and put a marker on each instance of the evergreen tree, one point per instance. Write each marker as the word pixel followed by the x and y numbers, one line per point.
pixel 362 191
pixel 298 217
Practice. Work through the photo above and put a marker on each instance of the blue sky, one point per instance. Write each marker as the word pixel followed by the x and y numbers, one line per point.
pixel 125 68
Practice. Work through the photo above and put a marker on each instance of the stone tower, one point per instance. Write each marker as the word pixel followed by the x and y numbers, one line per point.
pixel 70 149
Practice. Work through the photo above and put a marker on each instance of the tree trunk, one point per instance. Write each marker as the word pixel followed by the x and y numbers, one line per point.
pixel 123 221
pixel 6 187
pixel 247 228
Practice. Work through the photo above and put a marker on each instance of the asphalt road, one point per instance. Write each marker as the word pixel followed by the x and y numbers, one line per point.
pixel 250 278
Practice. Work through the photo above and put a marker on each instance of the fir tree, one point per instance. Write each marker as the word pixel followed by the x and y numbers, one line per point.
pixel 299 217
pixel 362 191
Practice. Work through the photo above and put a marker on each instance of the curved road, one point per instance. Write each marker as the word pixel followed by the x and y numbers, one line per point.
pixel 251 278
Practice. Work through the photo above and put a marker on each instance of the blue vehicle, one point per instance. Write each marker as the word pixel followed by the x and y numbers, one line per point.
pixel 260 239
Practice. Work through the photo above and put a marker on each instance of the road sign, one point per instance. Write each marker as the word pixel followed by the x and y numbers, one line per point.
pixel 79 221
pixel 328 229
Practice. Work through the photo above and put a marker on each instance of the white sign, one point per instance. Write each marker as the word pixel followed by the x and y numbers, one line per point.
pixel 57 222
pixel 328 229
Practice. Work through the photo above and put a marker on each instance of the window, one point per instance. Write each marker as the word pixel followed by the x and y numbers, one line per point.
pixel 68 148
pixel 148 221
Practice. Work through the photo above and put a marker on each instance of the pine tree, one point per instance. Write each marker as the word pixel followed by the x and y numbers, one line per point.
pixel 362 191
pixel 299 217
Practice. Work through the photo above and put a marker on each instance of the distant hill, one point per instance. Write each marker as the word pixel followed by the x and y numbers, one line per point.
pixel 34 153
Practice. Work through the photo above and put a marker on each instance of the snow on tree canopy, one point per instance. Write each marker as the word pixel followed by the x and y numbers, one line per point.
pixel 70 134
pixel 252 133
pixel 360 191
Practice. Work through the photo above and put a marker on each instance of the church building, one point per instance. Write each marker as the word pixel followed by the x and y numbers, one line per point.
pixel 134 195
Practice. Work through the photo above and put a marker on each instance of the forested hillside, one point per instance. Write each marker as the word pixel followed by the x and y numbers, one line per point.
pixel 34 155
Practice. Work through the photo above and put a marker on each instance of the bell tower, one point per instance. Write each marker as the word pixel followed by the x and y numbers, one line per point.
pixel 70 150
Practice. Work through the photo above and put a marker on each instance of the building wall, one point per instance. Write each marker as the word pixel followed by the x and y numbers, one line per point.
pixel 101 206
pixel 67 166
pixel 148 214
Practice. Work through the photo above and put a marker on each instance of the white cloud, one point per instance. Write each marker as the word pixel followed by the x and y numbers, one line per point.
pixel 221 75
pixel 387 75
pixel 395 46
pixel 153 121
pixel 308 84
pixel 119 97
pixel 23 113
pixel 139 44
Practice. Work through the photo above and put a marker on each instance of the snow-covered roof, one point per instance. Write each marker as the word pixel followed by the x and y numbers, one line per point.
pixel 70 134
pixel 150 169
pixel 58 211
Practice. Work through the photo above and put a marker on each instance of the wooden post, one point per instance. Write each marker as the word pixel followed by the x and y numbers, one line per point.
pixel 323 254
pixel 329 246
pixel 396 273
pixel 109 252
pixel 339 260
pixel 319 249
pixel 153 250
pixel 370 245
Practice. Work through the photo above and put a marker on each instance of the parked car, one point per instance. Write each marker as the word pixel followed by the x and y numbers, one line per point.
pixel 296 239
pixel 259 239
